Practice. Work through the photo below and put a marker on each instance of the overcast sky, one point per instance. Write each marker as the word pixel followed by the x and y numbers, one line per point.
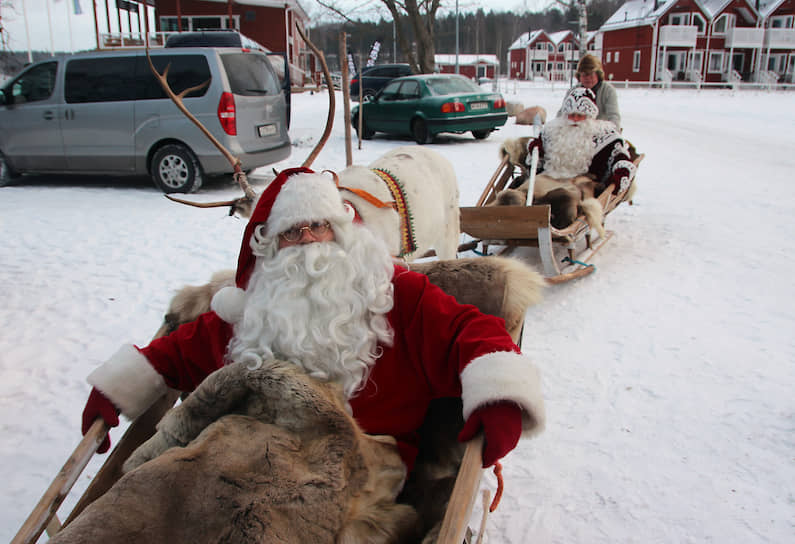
pixel 76 32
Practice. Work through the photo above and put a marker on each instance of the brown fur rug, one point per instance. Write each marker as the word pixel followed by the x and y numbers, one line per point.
pixel 266 455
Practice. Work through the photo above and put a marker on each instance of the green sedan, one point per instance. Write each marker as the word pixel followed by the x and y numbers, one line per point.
pixel 422 106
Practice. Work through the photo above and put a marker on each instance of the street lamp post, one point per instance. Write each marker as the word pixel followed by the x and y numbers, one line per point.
pixel 456 36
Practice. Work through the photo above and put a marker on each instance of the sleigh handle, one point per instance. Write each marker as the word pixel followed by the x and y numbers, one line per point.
pixel 462 499
pixel 61 485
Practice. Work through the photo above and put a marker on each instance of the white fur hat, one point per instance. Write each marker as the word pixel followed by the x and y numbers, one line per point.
pixel 580 100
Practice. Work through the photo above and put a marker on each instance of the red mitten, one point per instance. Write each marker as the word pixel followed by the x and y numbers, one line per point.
pixel 98 405
pixel 620 179
pixel 502 427
pixel 534 143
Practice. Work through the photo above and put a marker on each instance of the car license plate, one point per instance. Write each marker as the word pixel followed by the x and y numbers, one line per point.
pixel 475 106
pixel 266 130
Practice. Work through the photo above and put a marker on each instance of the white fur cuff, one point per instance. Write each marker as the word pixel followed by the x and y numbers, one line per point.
pixel 504 376
pixel 129 381
pixel 229 303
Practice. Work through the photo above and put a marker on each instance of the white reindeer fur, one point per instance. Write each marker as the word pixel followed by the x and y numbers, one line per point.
pixel 431 190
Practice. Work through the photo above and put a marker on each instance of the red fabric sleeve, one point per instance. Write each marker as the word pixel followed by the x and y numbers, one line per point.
pixel 192 352
pixel 442 335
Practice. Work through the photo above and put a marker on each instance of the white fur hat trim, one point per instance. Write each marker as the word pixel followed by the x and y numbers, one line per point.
pixel 307 197
pixel 229 304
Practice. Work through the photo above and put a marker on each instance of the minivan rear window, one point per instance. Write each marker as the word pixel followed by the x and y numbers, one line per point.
pixel 250 74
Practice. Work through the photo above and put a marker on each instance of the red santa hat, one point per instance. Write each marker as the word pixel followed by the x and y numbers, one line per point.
pixel 580 100
pixel 296 195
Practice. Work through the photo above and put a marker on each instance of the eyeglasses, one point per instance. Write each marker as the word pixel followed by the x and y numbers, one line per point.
pixel 316 229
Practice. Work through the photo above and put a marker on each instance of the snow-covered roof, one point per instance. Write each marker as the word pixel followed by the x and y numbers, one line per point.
pixel 466 59
pixel 559 36
pixel 642 12
pixel 637 13
pixel 767 7
pixel 526 39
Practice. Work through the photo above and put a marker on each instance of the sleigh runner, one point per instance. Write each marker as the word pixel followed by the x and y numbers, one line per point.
pixel 531 226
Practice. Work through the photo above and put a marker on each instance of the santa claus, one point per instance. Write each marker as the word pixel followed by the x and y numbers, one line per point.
pixel 578 143
pixel 317 289
pixel 579 157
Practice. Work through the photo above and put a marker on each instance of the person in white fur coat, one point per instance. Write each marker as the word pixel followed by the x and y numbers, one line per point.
pixel 319 290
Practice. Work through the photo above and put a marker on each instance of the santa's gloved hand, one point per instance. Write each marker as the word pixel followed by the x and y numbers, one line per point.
pixel 534 143
pixel 620 178
pixel 502 427
pixel 98 405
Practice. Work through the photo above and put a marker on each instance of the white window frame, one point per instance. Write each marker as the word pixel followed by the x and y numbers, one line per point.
pixel 540 46
pixel 715 55
pixel 679 19
pixel 636 61
pixel 222 17
pixel 728 23
pixel 607 57
pixel 695 60
pixel 696 15
pixel 781 21
pixel 615 57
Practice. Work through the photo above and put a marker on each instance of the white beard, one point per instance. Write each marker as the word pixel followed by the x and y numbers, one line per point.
pixel 320 307
pixel 568 148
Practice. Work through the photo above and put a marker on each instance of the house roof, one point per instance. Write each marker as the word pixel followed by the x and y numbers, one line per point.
pixel 767 7
pixel 642 12
pixel 559 36
pixel 526 39
pixel 466 60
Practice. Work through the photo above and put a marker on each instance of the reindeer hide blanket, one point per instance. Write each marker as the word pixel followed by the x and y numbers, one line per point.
pixel 263 455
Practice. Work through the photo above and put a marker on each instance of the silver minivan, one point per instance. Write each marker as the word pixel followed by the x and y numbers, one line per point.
pixel 104 112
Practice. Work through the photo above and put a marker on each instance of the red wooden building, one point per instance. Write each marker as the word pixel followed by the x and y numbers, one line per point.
pixel 272 24
pixel 472 66
pixel 553 56
pixel 698 40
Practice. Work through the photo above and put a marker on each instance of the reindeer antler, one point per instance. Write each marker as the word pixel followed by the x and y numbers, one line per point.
pixel 331 100
pixel 239 174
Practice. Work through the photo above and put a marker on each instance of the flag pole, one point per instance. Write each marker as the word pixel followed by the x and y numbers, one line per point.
pixel 27 29
pixel 49 27
pixel 69 25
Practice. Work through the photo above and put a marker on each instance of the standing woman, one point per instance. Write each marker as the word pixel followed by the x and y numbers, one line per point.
pixel 591 76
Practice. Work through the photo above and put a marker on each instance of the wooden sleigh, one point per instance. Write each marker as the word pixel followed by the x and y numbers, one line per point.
pixel 440 452
pixel 514 226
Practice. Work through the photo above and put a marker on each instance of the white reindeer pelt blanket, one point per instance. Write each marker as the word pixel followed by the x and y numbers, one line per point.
pixel 263 455
pixel 423 185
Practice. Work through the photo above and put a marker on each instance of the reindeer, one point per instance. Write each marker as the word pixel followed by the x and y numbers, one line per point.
pixel 408 196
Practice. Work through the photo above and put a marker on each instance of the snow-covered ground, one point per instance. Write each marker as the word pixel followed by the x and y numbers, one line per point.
pixel 669 374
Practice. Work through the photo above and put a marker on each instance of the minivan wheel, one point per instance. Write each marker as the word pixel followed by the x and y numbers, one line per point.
pixel 7 174
pixel 175 169
pixel 419 130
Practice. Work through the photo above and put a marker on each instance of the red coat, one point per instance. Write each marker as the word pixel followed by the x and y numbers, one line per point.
pixel 434 339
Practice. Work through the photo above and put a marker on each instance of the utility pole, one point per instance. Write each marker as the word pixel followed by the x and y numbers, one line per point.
pixel 583 24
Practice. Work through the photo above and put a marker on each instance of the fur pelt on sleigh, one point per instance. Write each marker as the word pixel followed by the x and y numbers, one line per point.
pixel 255 455
pixel 270 455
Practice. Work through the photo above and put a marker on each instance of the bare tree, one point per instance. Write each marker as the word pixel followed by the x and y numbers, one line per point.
pixel 416 15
